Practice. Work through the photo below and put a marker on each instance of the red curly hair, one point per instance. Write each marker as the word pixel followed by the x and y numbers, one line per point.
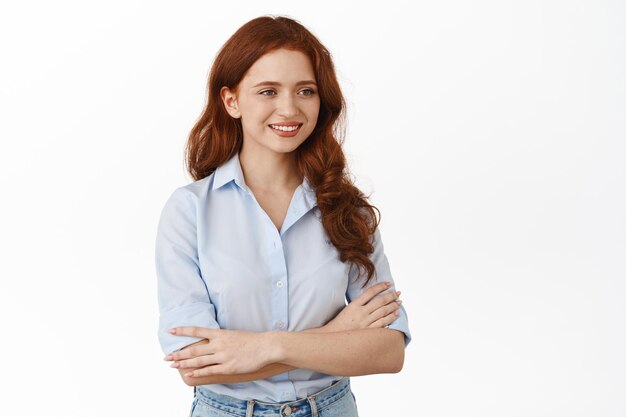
pixel 348 219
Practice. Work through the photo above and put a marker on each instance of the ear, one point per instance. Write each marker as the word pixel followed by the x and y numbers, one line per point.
pixel 229 98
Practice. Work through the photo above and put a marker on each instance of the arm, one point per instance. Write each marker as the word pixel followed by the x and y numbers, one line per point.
pixel 181 291
pixel 352 352
pixel 321 354
pixel 362 313
pixel 346 353
pixel 265 372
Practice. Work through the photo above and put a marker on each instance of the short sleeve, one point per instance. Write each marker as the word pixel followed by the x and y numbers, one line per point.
pixel 383 273
pixel 182 294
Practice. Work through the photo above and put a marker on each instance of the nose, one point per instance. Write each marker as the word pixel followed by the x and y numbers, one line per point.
pixel 287 106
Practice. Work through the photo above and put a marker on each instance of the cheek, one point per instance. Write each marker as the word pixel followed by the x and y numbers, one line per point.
pixel 312 110
pixel 255 114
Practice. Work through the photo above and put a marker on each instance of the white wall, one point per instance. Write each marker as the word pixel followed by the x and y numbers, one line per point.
pixel 491 134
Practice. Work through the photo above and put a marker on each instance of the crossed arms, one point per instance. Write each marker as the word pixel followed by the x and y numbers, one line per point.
pixel 354 343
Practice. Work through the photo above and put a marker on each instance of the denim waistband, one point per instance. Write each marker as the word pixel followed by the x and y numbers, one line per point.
pixel 308 406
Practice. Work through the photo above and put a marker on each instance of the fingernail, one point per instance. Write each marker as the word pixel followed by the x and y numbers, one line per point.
pixel 399 301
pixel 172 331
pixel 168 358
pixel 388 284
pixel 397 314
pixel 398 293
pixel 174 365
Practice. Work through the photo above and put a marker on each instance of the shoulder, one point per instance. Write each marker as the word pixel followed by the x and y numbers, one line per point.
pixel 194 191
pixel 185 200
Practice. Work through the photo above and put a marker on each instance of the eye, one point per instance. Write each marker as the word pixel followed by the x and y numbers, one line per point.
pixel 307 92
pixel 267 92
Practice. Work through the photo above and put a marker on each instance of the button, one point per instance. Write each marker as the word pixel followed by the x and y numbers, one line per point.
pixel 279 284
pixel 287 411
pixel 280 324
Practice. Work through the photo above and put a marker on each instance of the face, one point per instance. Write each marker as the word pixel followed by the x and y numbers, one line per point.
pixel 277 102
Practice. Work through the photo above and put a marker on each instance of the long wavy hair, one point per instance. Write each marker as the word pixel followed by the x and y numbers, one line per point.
pixel 347 217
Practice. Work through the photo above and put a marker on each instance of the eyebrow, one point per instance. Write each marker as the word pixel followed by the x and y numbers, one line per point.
pixel 276 83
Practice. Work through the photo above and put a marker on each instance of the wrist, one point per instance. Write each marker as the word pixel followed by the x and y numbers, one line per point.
pixel 275 351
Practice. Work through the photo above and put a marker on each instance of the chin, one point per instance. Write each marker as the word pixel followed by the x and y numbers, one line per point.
pixel 284 145
pixel 285 148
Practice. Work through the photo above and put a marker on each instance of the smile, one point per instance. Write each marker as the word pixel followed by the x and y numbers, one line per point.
pixel 284 128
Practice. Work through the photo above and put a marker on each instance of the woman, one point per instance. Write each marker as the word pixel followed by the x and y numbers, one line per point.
pixel 273 236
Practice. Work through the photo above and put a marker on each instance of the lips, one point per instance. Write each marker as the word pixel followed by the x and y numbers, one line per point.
pixel 286 127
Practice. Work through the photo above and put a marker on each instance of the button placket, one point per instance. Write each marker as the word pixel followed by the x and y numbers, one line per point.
pixel 278 280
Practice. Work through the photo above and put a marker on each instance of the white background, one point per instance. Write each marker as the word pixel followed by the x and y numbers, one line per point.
pixel 491 135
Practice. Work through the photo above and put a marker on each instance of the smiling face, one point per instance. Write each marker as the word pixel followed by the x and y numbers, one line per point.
pixel 277 102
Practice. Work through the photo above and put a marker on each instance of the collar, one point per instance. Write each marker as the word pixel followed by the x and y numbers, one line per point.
pixel 231 171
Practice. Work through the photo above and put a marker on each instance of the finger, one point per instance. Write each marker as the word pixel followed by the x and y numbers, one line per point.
pixel 383 300
pixel 191 351
pixel 206 371
pixel 198 362
pixel 194 331
pixel 384 310
pixel 385 321
pixel 371 292
pixel 187 352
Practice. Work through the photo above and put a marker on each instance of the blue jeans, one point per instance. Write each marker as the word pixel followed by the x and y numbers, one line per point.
pixel 334 401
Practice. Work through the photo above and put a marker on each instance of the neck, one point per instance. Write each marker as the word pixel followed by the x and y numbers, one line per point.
pixel 269 171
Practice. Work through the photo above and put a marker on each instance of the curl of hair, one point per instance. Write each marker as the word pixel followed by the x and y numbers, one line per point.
pixel 348 219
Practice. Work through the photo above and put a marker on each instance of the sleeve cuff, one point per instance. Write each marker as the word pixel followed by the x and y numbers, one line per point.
pixel 402 324
pixel 196 314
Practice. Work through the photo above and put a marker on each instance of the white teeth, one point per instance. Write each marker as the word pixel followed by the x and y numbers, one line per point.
pixel 285 128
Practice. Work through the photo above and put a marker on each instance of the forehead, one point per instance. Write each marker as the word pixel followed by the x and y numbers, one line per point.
pixel 282 65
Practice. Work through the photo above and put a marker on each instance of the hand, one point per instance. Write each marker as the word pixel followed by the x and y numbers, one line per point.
pixel 226 352
pixel 363 312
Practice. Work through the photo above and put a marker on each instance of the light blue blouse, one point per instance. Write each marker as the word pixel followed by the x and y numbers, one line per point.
pixel 222 263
